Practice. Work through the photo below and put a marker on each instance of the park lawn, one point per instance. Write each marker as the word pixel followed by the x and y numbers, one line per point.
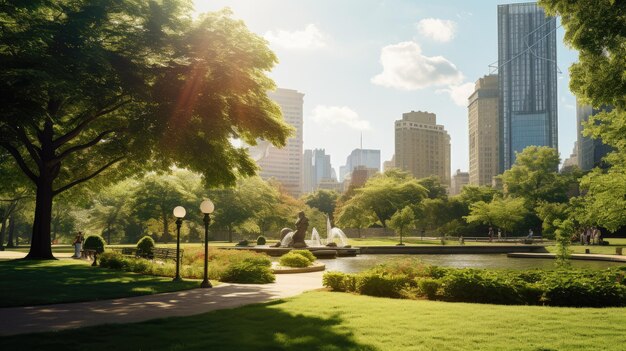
pixel 412 241
pixel 340 321
pixel 27 283
pixel 595 249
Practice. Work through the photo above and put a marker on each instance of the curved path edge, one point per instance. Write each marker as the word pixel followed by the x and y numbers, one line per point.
pixel 587 257
pixel 32 319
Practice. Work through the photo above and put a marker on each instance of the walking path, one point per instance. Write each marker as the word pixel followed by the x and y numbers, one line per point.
pixel 20 320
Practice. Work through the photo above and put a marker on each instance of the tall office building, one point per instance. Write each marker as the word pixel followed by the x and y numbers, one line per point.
pixel 484 131
pixel 527 79
pixel 590 151
pixel 322 169
pixel 285 165
pixel 459 180
pixel 360 157
pixel 307 172
pixel 422 146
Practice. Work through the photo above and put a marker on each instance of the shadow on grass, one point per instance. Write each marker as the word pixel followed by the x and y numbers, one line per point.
pixel 255 327
pixel 27 283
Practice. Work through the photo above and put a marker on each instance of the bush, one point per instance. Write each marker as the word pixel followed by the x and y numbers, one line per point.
pixel 145 246
pixel 293 259
pixel 305 253
pixel 335 281
pixel 261 240
pixel 376 284
pixel 470 285
pixel 243 243
pixel 112 260
pixel 248 273
pixel 94 242
pixel 428 287
pixel 583 291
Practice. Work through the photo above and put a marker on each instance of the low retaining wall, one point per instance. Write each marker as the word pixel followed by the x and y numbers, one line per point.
pixel 451 249
pixel 586 257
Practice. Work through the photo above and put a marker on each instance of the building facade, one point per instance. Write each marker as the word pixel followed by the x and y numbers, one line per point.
pixel 360 157
pixel 422 147
pixel 590 151
pixel 527 79
pixel 459 180
pixel 285 165
pixel 484 131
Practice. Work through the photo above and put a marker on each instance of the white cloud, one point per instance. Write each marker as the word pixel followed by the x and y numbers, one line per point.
pixel 459 93
pixel 404 67
pixel 309 38
pixel 437 29
pixel 339 115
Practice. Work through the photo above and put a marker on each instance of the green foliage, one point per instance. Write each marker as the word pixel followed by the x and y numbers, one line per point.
pixel 109 114
pixel 292 259
pixel 563 240
pixel 248 273
pixel 410 279
pixel 225 265
pixel 261 240
pixel 146 245
pixel 402 220
pixel 504 213
pixel 94 242
pixel 305 253
pixel 433 186
pixel 323 200
pixel 429 287
pixel 385 193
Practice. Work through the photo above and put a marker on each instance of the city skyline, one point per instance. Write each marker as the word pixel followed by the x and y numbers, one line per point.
pixel 346 64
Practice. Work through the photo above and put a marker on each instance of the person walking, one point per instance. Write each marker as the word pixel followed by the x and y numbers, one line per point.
pixel 78 244
pixel 490 234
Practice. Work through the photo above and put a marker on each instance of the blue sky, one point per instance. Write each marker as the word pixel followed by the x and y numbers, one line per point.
pixel 346 56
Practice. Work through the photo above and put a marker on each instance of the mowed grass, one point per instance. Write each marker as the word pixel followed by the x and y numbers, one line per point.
pixel 25 283
pixel 339 321
pixel 596 249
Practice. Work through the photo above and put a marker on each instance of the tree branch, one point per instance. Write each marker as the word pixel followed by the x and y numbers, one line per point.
pixel 20 161
pixel 33 150
pixel 84 146
pixel 79 128
pixel 84 179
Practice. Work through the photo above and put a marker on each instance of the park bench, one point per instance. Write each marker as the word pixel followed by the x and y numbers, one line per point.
pixel 90 254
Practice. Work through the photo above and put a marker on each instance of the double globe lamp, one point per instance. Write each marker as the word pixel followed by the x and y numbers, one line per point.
pixel 206 207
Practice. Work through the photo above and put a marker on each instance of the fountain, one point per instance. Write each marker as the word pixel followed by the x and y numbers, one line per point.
pixel 335 236
pixel 287 240
pixel 315 239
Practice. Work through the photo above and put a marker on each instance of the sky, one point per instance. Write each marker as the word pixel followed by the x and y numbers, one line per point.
pixel 362 63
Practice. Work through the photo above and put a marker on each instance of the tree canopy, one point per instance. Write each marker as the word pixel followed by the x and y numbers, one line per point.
pixel 113 88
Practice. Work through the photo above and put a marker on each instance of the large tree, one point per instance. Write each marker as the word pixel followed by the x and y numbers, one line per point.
pixel 324 200
pixel 115 87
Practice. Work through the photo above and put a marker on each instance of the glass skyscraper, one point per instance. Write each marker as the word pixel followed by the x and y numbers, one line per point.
pixel 527 80
pixel 590 151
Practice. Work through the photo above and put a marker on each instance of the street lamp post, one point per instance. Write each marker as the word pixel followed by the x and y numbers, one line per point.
pixel 179 213
pixel 207 208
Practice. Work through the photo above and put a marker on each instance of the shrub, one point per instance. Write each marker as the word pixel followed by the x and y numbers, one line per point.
pixel 376 284
pixel 335 281
pixel 261 240
pixel 243 243
pixel 293 259
pixel 94 242
pixel 305 253
pixel 583 291
pixel 428 287
pixel 146 246
pixel 470 285
pixel 248 273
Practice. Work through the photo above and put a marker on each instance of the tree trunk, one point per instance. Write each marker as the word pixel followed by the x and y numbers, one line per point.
pixel 11 230
pixel 40 245
pixel 3 229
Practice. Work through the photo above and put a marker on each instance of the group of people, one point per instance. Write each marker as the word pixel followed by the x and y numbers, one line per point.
pixel 492 234
pixel 591 236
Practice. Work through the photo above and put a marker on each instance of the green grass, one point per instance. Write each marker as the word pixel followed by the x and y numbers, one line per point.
pixel 596 249
pixel 338 321
pixel 412 241
pixel 45 282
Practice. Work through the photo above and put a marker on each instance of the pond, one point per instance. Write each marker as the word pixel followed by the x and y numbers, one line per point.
pixel 498 261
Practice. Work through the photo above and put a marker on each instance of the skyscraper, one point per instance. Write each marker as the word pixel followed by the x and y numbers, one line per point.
pixel 422 146
pixel 459 180
pixel 527 79
pixel 285 165
pixel 484 131
pixel 360 157
pixel 590 151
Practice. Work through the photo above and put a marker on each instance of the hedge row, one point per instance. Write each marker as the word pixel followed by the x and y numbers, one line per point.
pixel 226 266
pixel 411 279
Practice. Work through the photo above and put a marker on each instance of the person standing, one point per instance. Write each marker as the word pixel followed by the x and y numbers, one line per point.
pixel 499 234
pixel 490 234
pixel 78 244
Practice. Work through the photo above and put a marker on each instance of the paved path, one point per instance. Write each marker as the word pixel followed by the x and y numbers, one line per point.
pixel 19 320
